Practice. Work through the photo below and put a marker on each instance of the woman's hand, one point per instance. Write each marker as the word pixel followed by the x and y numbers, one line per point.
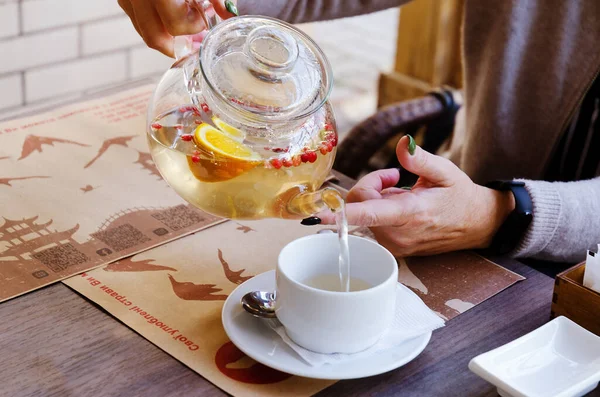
pixel 158 21
pixel 444 211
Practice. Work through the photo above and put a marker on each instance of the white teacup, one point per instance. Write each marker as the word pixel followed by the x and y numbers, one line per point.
pixel 335 322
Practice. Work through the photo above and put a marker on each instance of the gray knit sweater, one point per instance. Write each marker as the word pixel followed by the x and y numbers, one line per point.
pixel 527 65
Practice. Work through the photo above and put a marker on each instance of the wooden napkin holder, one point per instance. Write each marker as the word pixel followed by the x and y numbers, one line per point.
pixel 574 301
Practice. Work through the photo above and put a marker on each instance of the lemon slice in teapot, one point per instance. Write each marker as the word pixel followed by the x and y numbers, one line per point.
pixel 231 131
pixel 223 158
pixel 223 144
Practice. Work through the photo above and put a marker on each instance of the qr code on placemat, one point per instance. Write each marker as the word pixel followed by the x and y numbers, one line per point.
pixel 179 217
pixel 121 237
pixel 61 257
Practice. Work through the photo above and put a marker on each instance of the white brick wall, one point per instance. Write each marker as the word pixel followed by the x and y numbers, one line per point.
pixel 38 49
pixel 75 76
pixel 109 35
pixel 9 19
pixel 54 50
pixel 144 62
pixel 10 91
pixel 43 14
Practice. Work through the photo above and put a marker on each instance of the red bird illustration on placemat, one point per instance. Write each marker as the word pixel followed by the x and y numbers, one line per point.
pixel 34 143
pixel 121 141
pixel 244 228
pixel 233 276
pixel 145 159
pixel 128 265
pixel 7 181
pixel 87 188
pixel 196 292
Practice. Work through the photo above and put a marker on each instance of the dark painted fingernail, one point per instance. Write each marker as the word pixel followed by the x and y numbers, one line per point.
pixel 231 7
pixel 313 220
pixel 411 144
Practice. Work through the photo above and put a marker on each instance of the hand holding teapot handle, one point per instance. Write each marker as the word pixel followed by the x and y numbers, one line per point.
pixel 184 45
pixel 158 22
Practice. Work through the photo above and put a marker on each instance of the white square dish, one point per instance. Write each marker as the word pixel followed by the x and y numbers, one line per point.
pixel 559 359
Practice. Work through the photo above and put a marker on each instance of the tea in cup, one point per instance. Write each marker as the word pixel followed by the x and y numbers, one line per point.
pixel 310 305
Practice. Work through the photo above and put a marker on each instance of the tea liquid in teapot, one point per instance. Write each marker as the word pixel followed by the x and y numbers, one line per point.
pixel 243 129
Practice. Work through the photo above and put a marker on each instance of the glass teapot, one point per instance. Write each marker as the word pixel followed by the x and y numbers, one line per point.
pixel 242 128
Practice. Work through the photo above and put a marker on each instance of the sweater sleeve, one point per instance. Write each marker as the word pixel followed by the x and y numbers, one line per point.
pixel 300 11
pixel 566 220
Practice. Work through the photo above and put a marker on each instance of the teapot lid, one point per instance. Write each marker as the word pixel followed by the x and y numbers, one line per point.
pixel 265 68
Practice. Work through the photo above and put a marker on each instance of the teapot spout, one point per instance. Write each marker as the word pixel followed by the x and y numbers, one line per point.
pixel 310 203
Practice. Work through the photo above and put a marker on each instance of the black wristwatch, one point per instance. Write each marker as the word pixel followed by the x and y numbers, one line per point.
pixel 514 227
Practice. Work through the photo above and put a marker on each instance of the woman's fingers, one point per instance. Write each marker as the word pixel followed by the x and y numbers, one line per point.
pixel 179 18
pixel 151 27
pixel 158 21
pixel 392 191
pixel 382 212
pixel 225 8
pixel 369 203
pixel 437 170
pixel 128 8
pixel 370 213
pixel 371 186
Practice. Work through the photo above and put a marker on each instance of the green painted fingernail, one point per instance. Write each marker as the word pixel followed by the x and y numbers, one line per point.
pixel 411 144
pixel 406 188
pixel 231 7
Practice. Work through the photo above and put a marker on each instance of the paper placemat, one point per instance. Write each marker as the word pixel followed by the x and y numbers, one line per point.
pixel 78 189
pixel 173 296
pixel 452 283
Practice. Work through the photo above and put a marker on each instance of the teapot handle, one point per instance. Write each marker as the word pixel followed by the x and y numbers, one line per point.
pixel 207 12
pixel 183 45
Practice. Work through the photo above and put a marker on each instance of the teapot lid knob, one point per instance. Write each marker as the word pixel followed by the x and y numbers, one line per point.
pixel 271 50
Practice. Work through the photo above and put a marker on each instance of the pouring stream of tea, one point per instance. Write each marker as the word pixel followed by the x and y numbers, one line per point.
pixel 336 204
pixel 342 225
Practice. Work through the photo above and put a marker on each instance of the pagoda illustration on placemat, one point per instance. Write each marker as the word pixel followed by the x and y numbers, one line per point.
pixel 26 240
pixel 23 238
pixel 35 253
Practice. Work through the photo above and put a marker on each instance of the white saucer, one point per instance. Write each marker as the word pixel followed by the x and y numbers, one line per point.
pixel 262 344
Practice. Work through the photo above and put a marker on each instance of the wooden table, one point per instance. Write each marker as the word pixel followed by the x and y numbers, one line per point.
pixel 54 342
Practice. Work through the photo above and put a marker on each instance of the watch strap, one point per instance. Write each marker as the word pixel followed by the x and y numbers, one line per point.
pixel 516 223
